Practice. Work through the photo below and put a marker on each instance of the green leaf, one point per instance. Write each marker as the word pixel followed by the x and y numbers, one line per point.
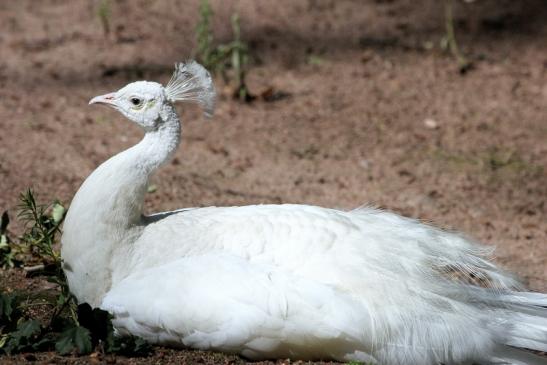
pixel 74 338
pixel 27 329
pixel 23 337
pixel 61 300
pixel 6 306
pixel 3 340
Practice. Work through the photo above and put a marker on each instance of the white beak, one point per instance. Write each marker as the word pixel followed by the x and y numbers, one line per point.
pixel 107 99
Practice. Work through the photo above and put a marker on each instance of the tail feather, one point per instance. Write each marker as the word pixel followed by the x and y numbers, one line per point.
pixel 525 333
pixel 510 356
pixel 527 298
pixel 526 320
pixel 525 343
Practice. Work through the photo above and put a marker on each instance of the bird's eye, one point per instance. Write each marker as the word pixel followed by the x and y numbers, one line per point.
pixel 135 101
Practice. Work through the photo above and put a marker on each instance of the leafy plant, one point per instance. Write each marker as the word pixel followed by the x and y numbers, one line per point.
pixel 42 224
pixel 233 55
pixel 24 338
pixel 66 327
pixel 83 333
pixel 204 35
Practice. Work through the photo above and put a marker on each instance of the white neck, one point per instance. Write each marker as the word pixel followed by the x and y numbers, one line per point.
pixel 158 145
pixel 105 216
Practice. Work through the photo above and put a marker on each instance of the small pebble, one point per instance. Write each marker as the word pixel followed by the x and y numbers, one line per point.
pixel 431 124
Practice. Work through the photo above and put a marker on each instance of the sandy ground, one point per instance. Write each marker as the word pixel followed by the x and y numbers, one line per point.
pixel 376 113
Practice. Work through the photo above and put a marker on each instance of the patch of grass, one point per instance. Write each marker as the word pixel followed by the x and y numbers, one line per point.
pixel 62 325
pixel 306 152
pixel 453 158
pixel 221 58
pixel 493 160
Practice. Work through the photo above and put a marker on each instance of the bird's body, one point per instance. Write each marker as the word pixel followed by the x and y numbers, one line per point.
pixel 277 281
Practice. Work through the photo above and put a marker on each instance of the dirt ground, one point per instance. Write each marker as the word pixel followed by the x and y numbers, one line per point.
pixel 374 113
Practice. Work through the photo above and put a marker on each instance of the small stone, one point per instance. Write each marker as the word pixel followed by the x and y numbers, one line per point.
pixel 365 164
pixel 431 124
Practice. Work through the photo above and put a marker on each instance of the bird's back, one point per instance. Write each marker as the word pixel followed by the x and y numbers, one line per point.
pixel 380 284
pixel 317 242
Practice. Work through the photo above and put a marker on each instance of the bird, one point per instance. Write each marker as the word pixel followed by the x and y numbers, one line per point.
pixel 282 281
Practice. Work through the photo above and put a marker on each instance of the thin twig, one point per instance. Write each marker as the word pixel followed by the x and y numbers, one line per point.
pixel 34 268
pixel 463 63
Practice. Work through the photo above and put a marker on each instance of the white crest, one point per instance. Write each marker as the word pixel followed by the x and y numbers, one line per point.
pixel 192 82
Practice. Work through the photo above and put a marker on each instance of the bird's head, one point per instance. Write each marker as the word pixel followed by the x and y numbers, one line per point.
pixel 144 102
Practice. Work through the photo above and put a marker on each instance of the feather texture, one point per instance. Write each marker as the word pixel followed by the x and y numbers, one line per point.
pixel 291 280
pixel 192 82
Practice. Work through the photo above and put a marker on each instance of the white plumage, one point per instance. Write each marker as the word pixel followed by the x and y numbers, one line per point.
pixel 277 281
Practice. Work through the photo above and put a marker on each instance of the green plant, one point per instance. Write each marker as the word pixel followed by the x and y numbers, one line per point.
pixel 449 40
pixel 315 60
pixel 79 333
pixel 103 12
pixel 42 224
pixel 233 55
pixel 204 35
pixel 63 325
pixel 239 58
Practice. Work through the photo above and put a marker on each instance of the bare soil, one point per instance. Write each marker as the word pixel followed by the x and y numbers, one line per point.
pixel 373 112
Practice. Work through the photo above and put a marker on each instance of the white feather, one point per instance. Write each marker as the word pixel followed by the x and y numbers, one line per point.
pixel 192 82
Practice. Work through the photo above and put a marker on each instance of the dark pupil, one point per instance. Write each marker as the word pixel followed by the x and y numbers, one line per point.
pixel 135 101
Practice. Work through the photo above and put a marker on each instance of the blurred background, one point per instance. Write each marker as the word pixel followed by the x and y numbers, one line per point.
pixel 436 110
